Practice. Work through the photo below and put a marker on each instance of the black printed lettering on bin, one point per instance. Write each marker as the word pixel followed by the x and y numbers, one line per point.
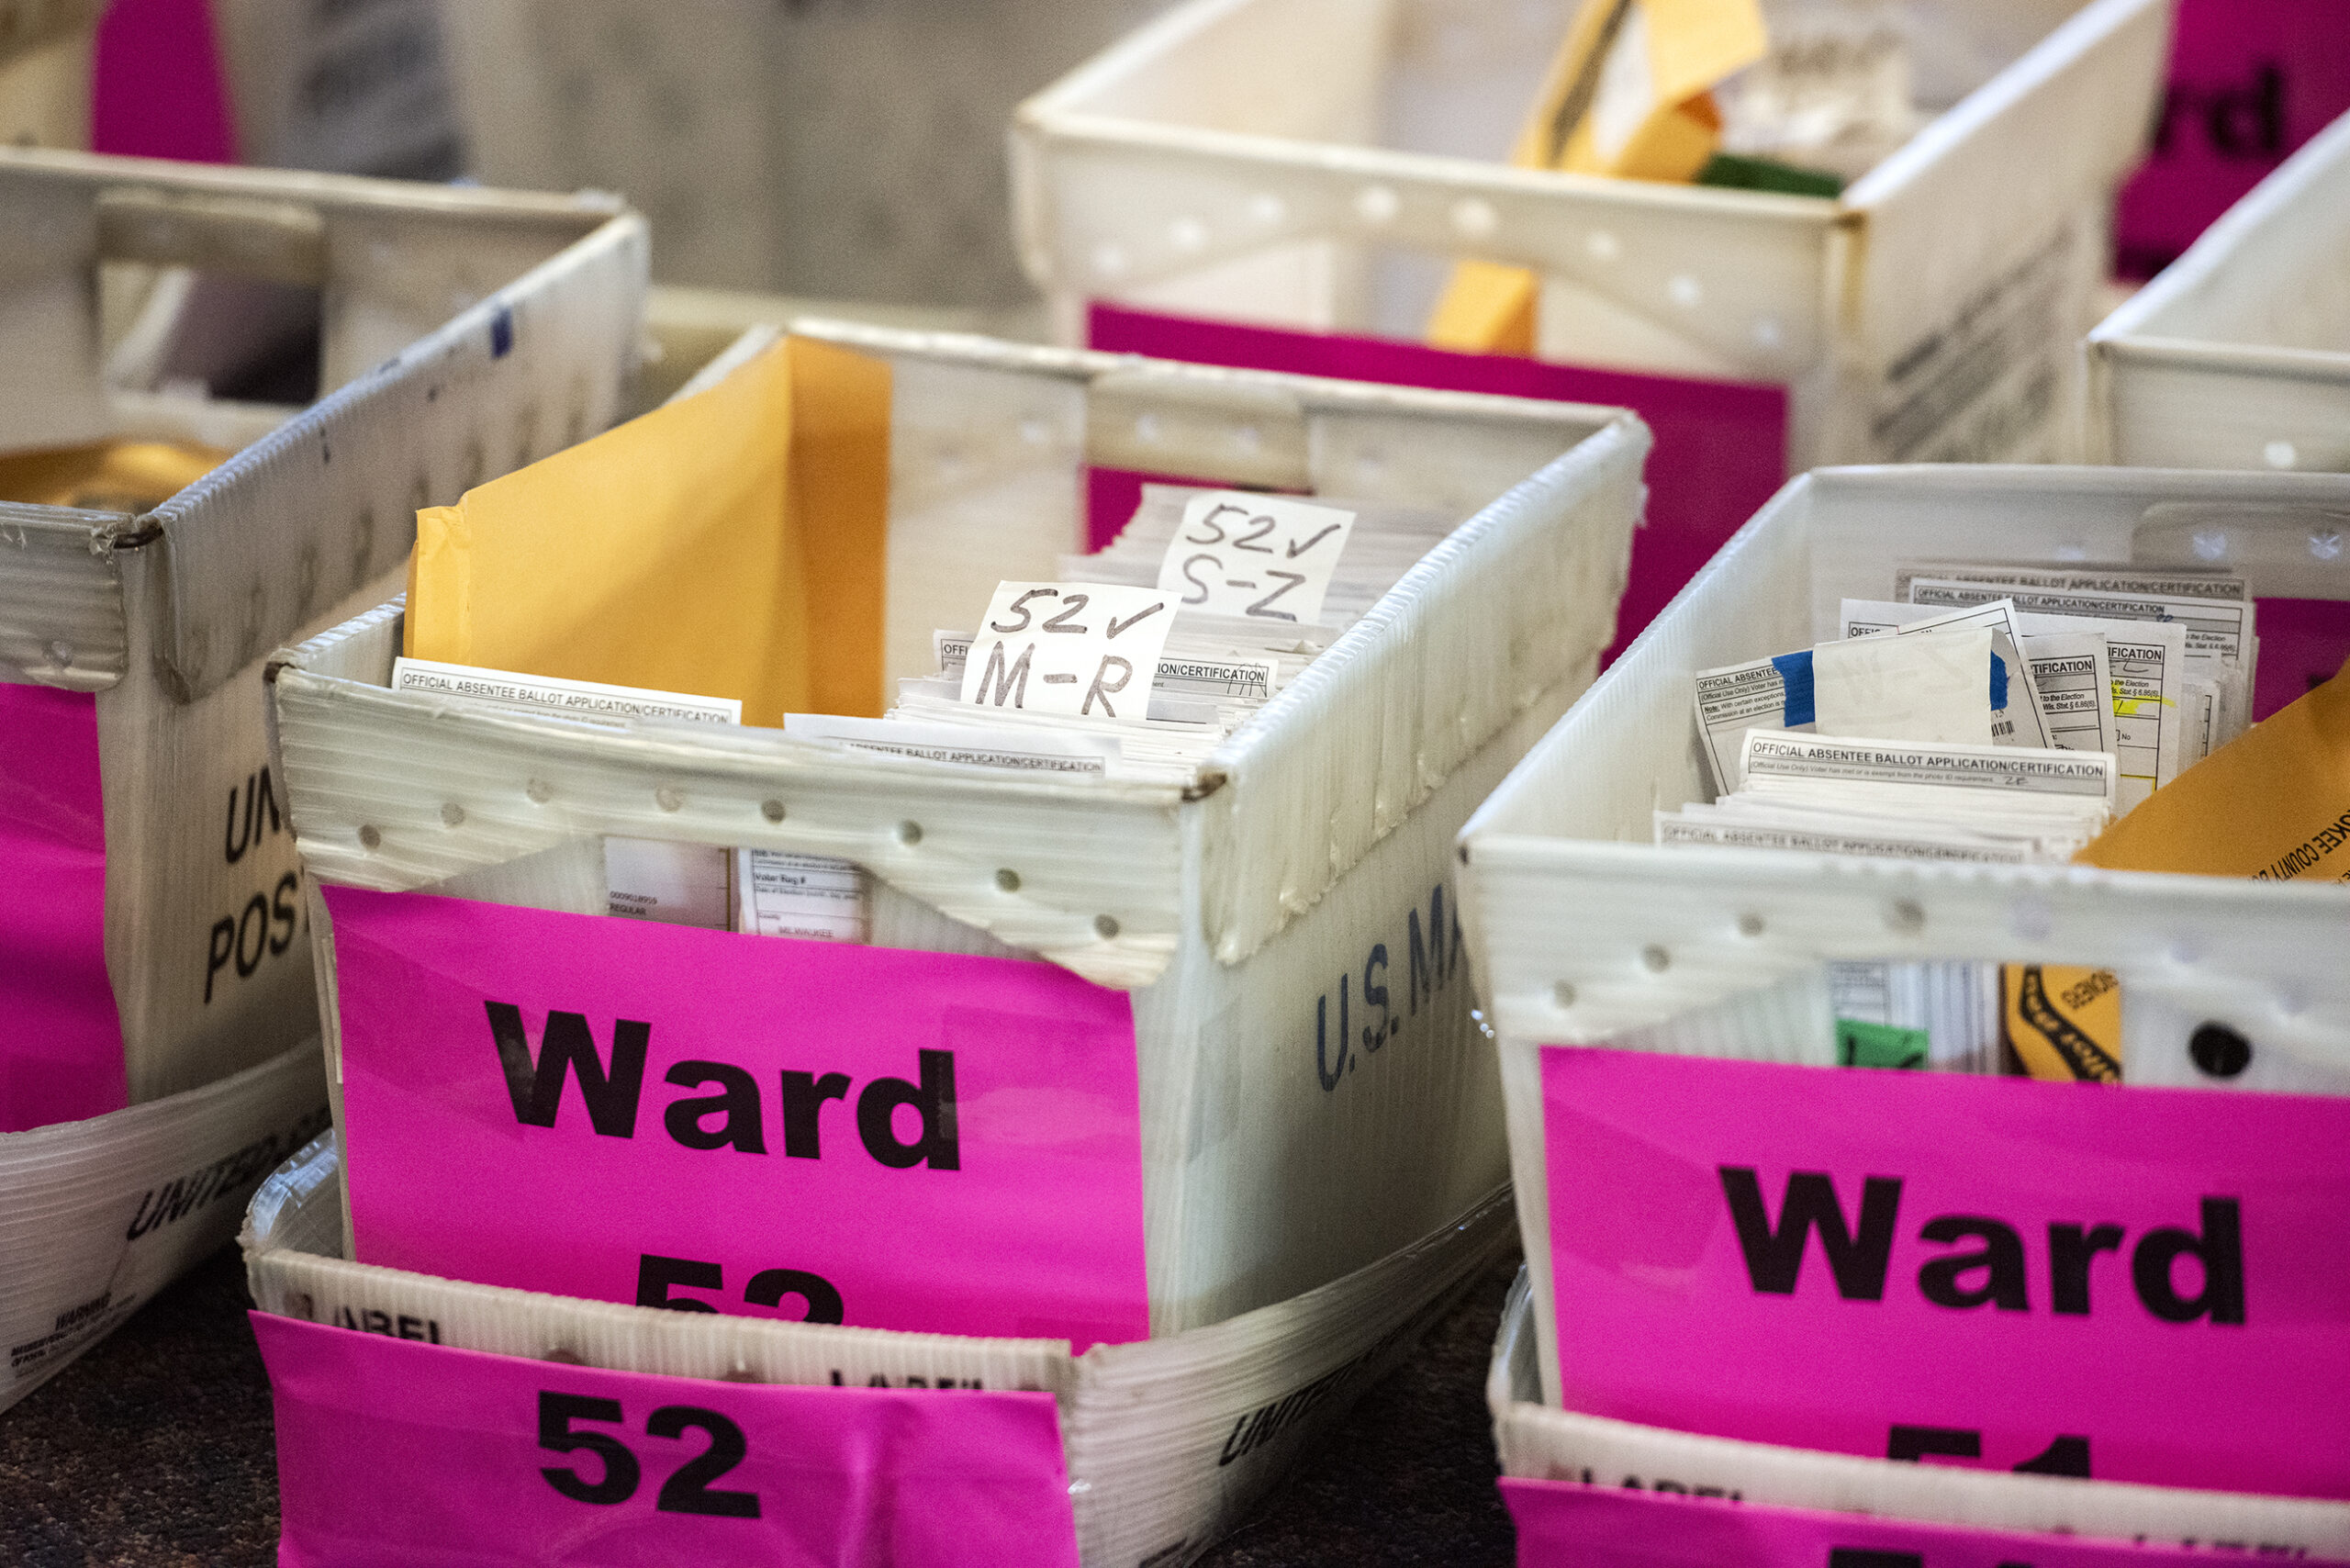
pixel 1774 1256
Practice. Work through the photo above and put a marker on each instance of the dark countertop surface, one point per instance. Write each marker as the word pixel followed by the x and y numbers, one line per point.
pixel 156 1448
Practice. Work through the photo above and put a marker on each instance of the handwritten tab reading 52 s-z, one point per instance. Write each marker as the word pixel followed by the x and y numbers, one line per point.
pixel 1264 557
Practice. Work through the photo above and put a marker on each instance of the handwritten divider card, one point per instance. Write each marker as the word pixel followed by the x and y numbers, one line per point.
pixel 720 1122
pixel 2132 1284
pixel 393 1451
pixel 1073 649
pixel 1258 556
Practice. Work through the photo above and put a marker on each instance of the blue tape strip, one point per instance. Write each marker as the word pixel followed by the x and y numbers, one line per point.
pixel 1999 684
pixel 1794 671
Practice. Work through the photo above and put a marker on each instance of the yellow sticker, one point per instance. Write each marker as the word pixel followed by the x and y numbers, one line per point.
pixel 2062 1022
pixel 1629 93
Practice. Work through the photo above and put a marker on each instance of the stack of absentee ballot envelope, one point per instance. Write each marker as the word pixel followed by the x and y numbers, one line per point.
pixel 1789 1302
pixel 1992 713
pixel 168 516
pixel 1007 1008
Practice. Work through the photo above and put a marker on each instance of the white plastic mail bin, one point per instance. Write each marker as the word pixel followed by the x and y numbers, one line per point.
pixel 1171 1442
pixel 1537 1442
pixel 1584 932
pixel 45 55
pixel 163 619
pixel 1234 909
pixel 1317 163
pixel 2238 355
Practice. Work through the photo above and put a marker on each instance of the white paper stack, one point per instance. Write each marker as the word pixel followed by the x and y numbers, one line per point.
pixel 1253 587
pixel 2102 684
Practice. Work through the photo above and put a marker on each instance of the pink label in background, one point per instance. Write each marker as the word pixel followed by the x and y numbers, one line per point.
pixel 1721 446
pixel 1563 1524
pixel 2303 642
pixel 2249 80
pixel 635 1112
pixel 60 1055
pixel 2138 1284
pixel 392 1453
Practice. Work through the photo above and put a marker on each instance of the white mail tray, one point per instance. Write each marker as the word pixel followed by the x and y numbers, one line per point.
pixel 1235 908
pixel 1319 163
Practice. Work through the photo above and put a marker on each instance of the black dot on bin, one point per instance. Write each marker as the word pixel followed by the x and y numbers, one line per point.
pixel 2219 1050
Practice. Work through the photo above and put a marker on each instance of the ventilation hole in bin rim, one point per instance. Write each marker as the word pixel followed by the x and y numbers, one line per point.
pixel 1656 958
pixel 1685 291
pixel 1007 879
pixel 1768 333
pixel 910 834
pixel 2029 919
pixel 2210 544
pixel 61 654
pixel 539 791
pixel 2281 453
pixel 1905 915
pixel 1563 995
pixel 1377 204
pixel 370 839
pixel 2326 546
pixel 669 797
pixel 1109 259
pixel 771 810
pixel 1268 208
pixel 1105 926
pixel 1474 217
pixel 1147 428
pixel 1749 926
pixel 1188 235
pixel 452 814
pixel 1036 431
pixel 2219 1050
pixel 1249 439
pixel 1602 246
pixel 2185 951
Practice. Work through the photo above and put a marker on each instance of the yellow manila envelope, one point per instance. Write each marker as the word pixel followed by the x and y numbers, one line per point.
pixel 2273 803
pixel 107 475
pixel 732 544
pixel 1629 94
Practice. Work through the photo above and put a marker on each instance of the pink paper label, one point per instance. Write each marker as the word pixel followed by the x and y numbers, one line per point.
pixel 1563 1524
pixel 635 1112
pixel 1721 446
pixel 397 1453
pixel 2138 1284
pixel 60 1055
pixel 2249 80
pixel 2303 642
